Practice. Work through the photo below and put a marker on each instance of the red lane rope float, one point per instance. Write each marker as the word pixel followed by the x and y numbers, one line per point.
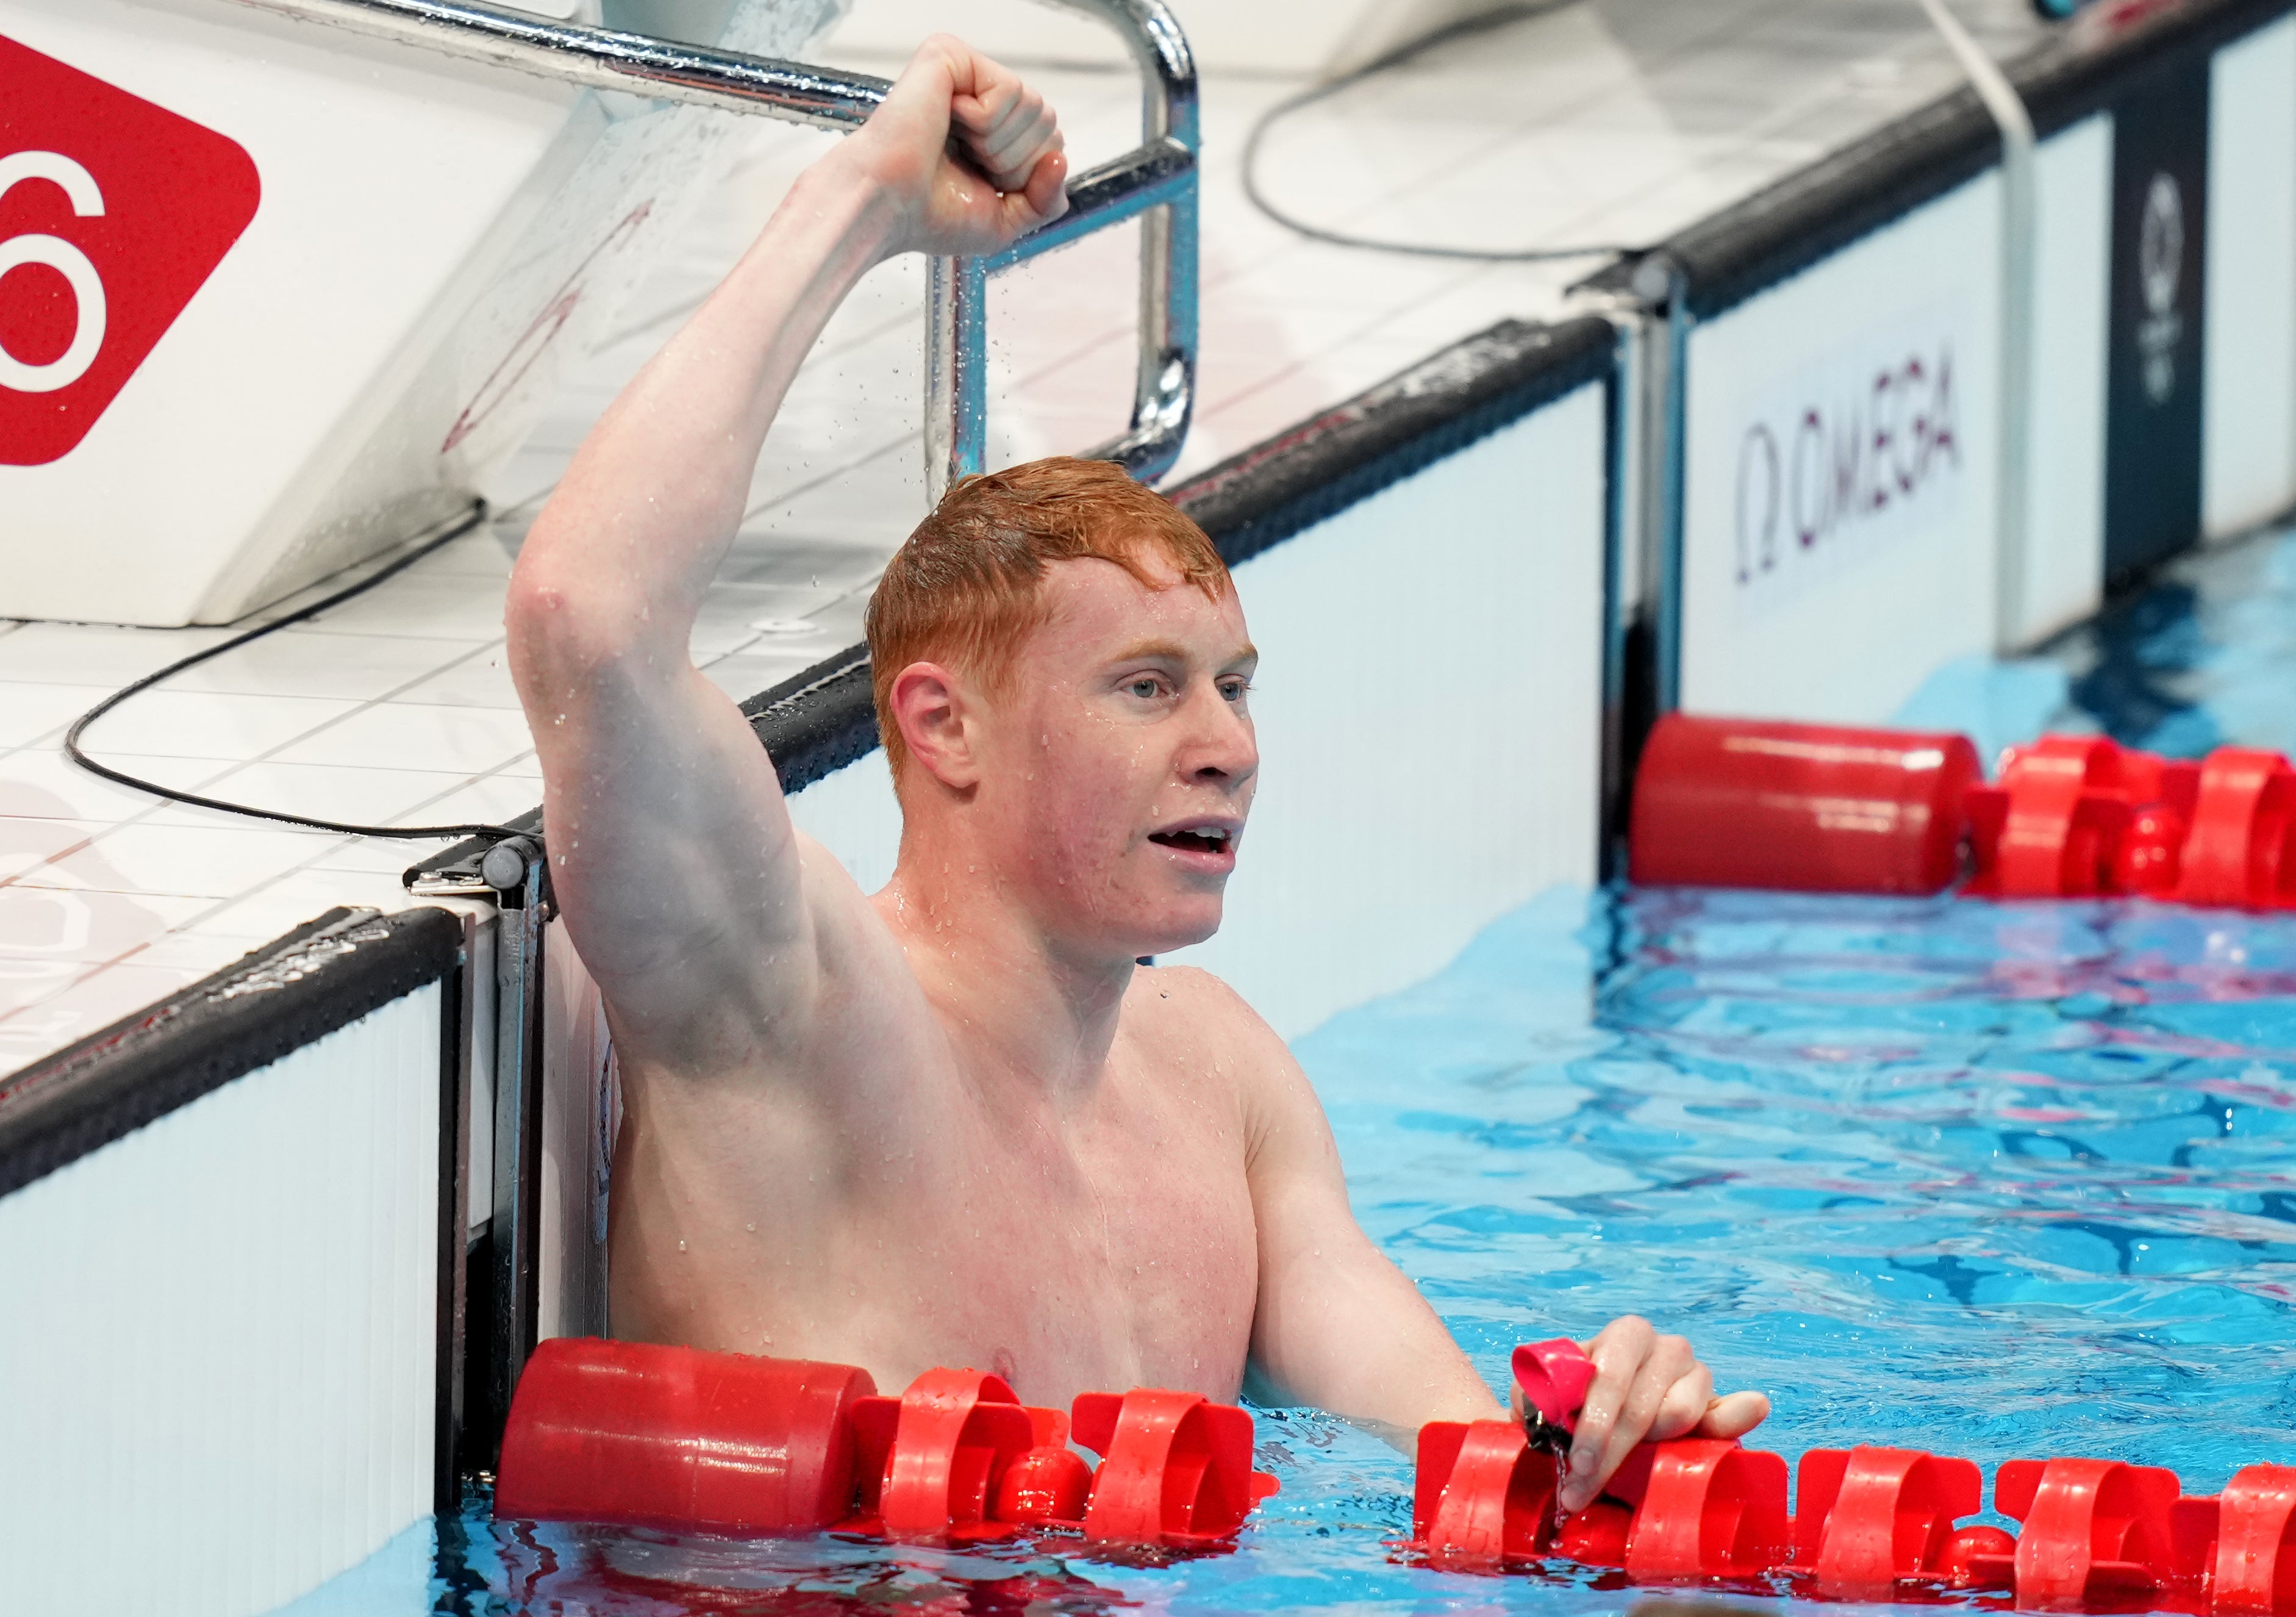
pixel 2097 1534
pixel 650 1436
pixel 2055 825
pixel 639 1434
pixel 1731 802
pixel 1873 1518
pixel 2242 815
pixel 1483 1498
pixel 1175 1468
pixel 1811 807
pixel 930 1460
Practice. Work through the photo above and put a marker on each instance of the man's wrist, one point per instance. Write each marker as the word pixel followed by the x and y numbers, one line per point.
pixel 840 187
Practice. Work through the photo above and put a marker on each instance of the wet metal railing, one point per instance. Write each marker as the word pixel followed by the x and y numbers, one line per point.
pixel 1157 179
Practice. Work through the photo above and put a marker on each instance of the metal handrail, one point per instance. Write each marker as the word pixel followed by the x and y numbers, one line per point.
pixel 1157 179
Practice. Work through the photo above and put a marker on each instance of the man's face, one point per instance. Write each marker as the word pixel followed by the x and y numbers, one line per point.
pixel 1120 763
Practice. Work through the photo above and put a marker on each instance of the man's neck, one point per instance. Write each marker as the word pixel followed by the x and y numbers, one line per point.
pixel 1044 1014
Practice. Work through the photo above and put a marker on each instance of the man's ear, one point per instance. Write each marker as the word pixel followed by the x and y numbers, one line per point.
pixel 935 713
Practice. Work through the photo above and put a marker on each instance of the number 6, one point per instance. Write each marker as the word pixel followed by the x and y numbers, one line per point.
pixel 87 286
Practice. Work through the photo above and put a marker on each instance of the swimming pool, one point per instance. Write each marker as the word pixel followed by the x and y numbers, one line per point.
pixel 1997 1180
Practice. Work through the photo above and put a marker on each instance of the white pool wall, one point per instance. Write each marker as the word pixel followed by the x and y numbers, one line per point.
pixel 230 1317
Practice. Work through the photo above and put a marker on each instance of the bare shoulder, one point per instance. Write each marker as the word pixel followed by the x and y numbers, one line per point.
pixel 1184 1016
pixel 1186 1008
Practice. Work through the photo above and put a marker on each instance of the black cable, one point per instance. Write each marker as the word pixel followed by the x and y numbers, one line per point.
pixel 1400 55
pixel 455 529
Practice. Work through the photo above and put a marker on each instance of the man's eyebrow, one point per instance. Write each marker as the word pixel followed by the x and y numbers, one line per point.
pixel 1153 651
pixel 1171 651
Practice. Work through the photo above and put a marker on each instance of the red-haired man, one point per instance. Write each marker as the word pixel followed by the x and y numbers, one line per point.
pixel 953 1122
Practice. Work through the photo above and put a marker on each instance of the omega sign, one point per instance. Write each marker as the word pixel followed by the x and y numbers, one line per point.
pixel 1849 456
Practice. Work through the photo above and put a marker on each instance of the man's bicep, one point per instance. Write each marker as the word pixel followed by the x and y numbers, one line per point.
pixel 671 853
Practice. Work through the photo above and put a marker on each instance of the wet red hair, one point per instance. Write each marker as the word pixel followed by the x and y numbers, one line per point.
pixel 964 590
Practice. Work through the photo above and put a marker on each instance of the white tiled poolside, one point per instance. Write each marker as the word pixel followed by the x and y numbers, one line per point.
pixel 1616 121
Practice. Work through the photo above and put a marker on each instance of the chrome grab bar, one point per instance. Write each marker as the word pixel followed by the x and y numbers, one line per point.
pixel 1157 179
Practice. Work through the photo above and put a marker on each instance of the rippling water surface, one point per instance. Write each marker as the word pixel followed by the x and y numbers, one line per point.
pixel 1994 1180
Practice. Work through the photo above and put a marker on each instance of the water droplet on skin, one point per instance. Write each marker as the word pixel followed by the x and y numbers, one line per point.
pixel 681 1246
pixel 751 1227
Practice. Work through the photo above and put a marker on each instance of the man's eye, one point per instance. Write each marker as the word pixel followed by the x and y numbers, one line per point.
pixel 1235 690
pixel 1143 688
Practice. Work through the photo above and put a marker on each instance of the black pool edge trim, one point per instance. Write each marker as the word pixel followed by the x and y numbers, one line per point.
pixel 1808 216
pixel 319 978
pixel 1429 412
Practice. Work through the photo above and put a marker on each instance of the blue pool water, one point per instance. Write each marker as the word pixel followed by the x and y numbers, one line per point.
pixel 1997 1180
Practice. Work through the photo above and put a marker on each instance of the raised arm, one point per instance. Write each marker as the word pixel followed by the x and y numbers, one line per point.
pixel 670 848
pixel 1339 1326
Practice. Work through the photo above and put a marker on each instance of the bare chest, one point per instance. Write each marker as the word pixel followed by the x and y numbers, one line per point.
pixel 1109 1247
pixel 1100 1242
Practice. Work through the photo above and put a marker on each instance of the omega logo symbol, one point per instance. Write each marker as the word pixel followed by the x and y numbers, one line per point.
pixel 2159 270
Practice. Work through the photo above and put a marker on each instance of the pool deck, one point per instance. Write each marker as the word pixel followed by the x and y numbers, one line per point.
pixel 1617 121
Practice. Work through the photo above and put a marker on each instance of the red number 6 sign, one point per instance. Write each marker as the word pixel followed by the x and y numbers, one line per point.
pixel 113 212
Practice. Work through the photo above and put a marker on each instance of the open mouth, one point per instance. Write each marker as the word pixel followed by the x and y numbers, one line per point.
pixel 1205 840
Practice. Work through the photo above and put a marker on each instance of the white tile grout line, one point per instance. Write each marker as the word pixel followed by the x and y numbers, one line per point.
pixel 417 848
pixel 1552 118
pixel 190 926
pixel 158 804
pixel 45 743
pixel 1735 143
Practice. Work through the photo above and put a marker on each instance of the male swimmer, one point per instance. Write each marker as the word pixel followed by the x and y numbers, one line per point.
pixel 954 1121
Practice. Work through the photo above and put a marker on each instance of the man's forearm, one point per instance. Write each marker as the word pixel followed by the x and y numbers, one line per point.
pixel 652 501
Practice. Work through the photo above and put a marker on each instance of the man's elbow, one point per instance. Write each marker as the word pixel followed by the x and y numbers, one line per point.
pixel 560 626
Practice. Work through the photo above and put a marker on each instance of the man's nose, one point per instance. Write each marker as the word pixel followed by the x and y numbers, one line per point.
pixel 1220 745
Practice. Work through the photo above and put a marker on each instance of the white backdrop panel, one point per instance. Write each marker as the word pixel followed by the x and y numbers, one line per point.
pixel 219 1338
pixel 853 814
pixel 1839 483
pixel 2072 289
pixel 2248 409
pixel 1428 704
